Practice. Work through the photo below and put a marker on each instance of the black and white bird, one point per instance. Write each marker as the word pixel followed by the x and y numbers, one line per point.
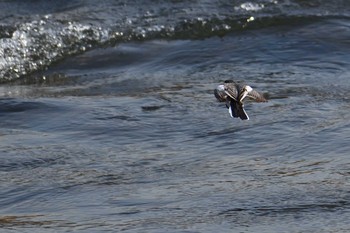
pixel 233 94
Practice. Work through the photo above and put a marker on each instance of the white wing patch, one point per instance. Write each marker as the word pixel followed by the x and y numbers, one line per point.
pixel 230 111
pixel 245 113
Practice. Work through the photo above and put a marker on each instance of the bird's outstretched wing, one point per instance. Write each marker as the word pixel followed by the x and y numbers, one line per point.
pixel 231 90
pixel 256 96
pixel 220 95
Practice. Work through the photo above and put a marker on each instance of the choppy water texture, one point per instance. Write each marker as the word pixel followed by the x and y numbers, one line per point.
pixel 108 120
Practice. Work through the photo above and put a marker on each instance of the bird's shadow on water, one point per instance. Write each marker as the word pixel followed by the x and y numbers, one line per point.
pixel 222 132
pixel 231 129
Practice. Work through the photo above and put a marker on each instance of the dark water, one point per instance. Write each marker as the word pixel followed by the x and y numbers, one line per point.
pixel 108 121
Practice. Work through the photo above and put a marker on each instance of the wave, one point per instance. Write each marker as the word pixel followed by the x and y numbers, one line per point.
pixel 38 40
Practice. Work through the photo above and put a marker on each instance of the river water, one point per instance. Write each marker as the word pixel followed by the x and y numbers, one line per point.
pixel 108 121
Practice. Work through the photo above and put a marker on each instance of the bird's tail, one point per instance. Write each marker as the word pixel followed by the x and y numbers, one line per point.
pixel 236 110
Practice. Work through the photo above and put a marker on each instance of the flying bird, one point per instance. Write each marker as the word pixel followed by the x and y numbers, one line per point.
pixel 233 94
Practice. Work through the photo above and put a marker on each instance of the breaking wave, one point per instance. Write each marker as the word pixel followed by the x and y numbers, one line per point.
pixel 31 42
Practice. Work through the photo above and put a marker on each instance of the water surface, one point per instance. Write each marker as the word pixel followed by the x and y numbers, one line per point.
pixel 118 130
